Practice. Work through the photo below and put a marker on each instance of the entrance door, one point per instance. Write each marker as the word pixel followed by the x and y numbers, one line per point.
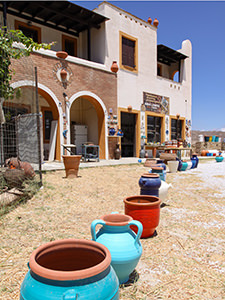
pixel 153 129
pixel 128 126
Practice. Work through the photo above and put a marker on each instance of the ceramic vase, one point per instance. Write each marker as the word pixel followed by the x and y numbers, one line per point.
pixel 117 152
pixel 219 158
pixel 149 184
pixel 160 171
pixel 190 165
pixel 70 269
pixel 163 190
pixel 71 163
pixel 195 158
pixel 123 244
pixel 173 165
pixel 145 209
pixel 184 166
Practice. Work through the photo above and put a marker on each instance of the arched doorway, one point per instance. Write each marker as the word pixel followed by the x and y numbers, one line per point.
pixel 49 109
pixel 89 111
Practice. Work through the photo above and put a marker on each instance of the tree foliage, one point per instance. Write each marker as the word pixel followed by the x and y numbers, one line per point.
pixel 9 51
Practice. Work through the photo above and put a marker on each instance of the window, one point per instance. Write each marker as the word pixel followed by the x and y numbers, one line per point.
pixel 176 129
pixel 153 129
pixel 128 52
pixel 29 30
pixel 69 45
pixel 159 70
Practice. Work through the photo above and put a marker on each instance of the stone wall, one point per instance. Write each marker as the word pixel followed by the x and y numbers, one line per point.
pixel 199 146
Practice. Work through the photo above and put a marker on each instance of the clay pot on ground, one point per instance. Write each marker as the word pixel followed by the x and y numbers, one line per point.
pixel 71 163
pixel 160 171
pixel 117 152
pixel 145 209
pixel 163 190
pixel 70 269
pixel 149 162
pixel 173 165
pixel 219 158
pixel 195 159
pixel 123 244
pixel 190 164
pixel 149 184
pixel 184 166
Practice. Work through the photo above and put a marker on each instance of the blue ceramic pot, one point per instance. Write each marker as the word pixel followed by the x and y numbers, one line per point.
pixel 149 184
pixel 194 158
pixel 68 270
pixel 160 171
pixel 112 131
pixel 184 166
pixel 162 165
pixel 219 158
pixel 123 244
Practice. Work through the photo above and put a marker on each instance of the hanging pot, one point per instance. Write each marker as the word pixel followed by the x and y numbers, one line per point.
pixel 122 242
pixel 70 269
pixel 145 209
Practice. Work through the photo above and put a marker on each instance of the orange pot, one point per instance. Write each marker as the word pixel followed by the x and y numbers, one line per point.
pixel 145 209
pixel 71 163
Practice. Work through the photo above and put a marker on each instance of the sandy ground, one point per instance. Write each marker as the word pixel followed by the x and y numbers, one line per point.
pixel 184 260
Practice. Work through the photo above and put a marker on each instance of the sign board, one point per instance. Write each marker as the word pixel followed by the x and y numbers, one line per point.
pixel 156 103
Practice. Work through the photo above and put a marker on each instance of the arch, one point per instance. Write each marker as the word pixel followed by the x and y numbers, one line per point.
pixel 53 102
pixel 102 118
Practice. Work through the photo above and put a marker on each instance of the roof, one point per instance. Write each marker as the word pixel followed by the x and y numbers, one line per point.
pixel 168 56
pixel 64 16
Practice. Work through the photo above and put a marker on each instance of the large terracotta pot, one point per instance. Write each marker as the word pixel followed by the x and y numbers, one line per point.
pixel 70 269
pixel 71 163
pixel 149 162
pixel 145 209
pixel 123 244
pixel 149 184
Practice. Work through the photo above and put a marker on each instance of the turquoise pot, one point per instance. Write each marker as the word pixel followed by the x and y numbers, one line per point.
pixel 123 244
pixel 219 158
pixel 160 171
pixel 70 270
pixel 184 166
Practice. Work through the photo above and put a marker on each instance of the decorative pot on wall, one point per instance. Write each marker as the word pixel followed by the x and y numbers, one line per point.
pixel 62 54
pixel 71 163
pixel 114 67
pixel 123 244
pixel 145 209
pixel 70 269
pixel 173 165
pixel 149 184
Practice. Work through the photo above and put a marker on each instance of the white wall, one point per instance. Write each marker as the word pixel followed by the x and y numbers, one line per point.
pixel 131 85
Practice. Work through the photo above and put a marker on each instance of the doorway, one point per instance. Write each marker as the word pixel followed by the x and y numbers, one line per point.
pixel 128 142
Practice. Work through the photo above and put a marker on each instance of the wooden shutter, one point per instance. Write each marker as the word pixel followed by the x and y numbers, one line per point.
pixel 128 52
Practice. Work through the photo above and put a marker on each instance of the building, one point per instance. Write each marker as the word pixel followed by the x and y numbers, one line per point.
pixel 141 98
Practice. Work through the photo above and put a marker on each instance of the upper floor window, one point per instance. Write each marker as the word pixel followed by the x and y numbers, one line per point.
pixel 29 30
pixel 69 45
pixel 128 52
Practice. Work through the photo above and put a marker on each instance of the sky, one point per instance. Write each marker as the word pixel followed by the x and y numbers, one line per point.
pixel 203 23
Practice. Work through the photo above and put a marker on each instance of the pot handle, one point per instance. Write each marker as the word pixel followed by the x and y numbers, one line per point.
pixel 140 229
pixel 70 295
pixel 93 225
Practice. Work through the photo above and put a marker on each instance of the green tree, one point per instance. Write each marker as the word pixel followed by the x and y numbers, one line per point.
pixel 9 52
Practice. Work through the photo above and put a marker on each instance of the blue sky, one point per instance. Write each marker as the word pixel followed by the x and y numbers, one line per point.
pixel 203 23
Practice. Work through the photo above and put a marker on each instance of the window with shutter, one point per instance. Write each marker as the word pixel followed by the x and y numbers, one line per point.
pixel 128 52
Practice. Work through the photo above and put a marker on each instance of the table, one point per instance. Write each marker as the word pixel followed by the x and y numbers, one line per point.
pixel 154 148
pixel 71 148
pixel 178 151
pixel 90 152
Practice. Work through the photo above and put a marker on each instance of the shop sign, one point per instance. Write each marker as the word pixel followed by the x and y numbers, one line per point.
pixel 156 103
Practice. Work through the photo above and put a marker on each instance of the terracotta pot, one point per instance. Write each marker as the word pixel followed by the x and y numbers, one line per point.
pixel 123 244
pixel 114 67
pixel 156 23
pixel 150 20
pixel 145 209
pixel 149 162
pixel 117 152
pixel 61 54
pixel 70 269
pixel 71 163
pixel 204 152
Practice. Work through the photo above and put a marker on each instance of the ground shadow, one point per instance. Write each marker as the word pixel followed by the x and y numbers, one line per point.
pixel 134 276
pixel 163 205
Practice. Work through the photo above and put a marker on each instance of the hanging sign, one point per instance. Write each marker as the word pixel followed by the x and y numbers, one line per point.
pixel 156 103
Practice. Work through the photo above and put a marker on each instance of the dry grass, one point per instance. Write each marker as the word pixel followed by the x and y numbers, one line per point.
pixel 185 260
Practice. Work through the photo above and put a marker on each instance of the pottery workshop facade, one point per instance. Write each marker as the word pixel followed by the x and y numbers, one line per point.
pixel 141 98
pixel 151 102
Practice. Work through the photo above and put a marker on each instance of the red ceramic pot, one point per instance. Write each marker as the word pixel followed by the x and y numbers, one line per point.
pixel 145 209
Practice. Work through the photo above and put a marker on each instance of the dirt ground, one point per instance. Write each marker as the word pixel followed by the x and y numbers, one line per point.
pixel 184 260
